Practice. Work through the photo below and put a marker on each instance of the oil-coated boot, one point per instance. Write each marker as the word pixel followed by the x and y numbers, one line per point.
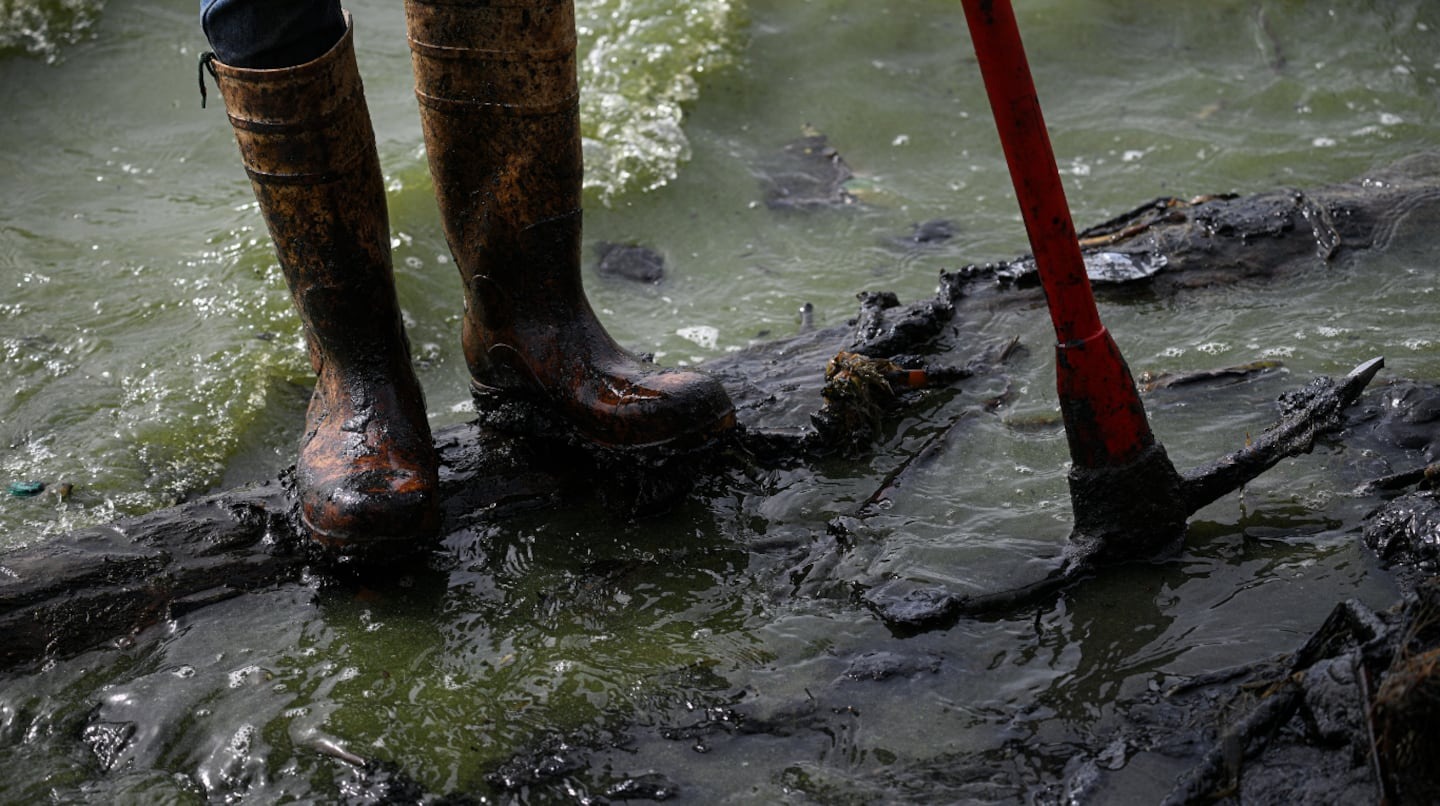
pixel 367 470
pixel 499 105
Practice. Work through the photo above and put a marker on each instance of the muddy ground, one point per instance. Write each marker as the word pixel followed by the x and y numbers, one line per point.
pixel 1345 717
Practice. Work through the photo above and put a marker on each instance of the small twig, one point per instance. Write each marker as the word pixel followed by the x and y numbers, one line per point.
pixel 894 479
pixel 1349 622
pixel 1403 479
pixel 1377 761
pixel 1220 766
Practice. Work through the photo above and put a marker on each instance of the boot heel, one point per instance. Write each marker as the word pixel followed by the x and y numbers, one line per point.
pixel 514 412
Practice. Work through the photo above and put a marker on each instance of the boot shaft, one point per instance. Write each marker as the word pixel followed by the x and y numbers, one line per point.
pixel 520 53
pixel 499 104
pixel 307 145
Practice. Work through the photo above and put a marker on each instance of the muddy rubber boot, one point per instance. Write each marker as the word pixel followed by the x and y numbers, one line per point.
pixel 367 471
pixel 499 105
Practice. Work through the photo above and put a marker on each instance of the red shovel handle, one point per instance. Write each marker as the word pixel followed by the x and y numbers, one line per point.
pixel 1032 168
pixel 1104 418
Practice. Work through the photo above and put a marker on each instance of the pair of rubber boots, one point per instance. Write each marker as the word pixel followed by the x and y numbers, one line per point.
pixel 498 99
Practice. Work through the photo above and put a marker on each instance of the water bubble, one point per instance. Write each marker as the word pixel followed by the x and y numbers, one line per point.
pixel 242 739
pixel 240 676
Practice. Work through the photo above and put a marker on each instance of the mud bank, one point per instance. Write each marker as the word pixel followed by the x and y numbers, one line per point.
pixel 108 583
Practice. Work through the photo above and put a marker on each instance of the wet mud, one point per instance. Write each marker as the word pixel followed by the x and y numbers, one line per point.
pixel 1346 712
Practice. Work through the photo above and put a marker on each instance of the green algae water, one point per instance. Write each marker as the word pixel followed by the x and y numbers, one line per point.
pixel 151 349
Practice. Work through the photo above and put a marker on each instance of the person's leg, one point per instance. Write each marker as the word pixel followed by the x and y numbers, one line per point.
pixel 367 473
pixel 499 106
pixel 263 34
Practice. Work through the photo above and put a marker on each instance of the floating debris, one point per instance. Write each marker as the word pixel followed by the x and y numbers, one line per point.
pixel 1150 381
pixel 26 489
pixel 806 174
pixel 928 233
pixel 630 261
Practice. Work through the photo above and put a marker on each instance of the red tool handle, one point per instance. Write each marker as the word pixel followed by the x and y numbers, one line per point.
pixel 1104 418
pixel 1032 168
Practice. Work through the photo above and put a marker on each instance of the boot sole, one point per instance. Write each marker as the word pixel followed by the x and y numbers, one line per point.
pixel 366 547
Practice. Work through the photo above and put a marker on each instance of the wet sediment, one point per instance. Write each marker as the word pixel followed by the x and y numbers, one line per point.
pixel 790 410
pixel 108 582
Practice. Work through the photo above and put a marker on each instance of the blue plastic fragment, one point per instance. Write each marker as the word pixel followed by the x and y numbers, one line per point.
pixel 25 489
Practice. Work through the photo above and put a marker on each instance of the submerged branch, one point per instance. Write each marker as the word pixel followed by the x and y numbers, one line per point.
pixel 1316 410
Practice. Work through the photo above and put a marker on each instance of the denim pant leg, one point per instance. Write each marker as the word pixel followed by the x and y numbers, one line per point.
pixel 270 33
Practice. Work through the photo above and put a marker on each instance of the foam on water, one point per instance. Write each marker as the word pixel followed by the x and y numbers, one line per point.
pixel 641 61
pixel 42 27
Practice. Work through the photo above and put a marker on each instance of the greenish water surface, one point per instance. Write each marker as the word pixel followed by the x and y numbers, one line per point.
pixel 153 355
